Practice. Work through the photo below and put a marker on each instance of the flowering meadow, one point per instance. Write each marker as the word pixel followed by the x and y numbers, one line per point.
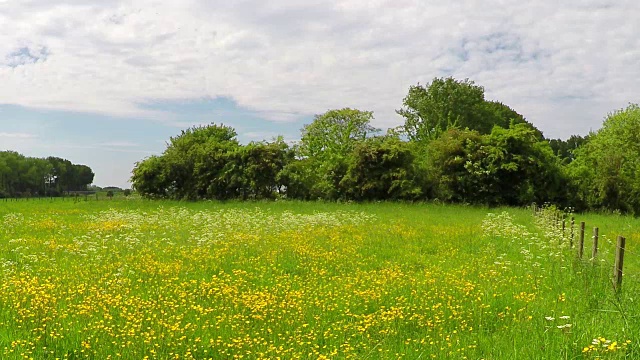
pixel 285 280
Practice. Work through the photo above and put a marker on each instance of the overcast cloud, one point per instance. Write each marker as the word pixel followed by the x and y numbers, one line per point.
pixel 562 64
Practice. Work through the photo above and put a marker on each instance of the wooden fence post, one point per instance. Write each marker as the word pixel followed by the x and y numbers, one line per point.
pixel 581 243
pixel 564 226
pixel 617 271
pixel 573 226
pixel 594 250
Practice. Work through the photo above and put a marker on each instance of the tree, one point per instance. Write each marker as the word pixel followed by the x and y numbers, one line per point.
pixel 448 165
pixel 606 170
pixel 522 167
pixel 447 103
pixel 28 176
pixel 502 115
pixel 83 177
pixel 207 162
pixel 444 103
pixel 299 178
pixel 335 133
pixel 381 168
pixel 326 144
pixel 37 175
pixel 261 164
pixel 150 179
pixel 194 159
pixel 251 171
pixel 565 149
pixel 509 166
pixel 62 174
pixel 5 173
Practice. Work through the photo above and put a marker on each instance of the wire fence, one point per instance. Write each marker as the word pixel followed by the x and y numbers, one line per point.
pixel 588 244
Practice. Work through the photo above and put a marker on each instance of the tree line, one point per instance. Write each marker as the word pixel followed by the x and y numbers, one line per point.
pixel 22 176
pixel 454 146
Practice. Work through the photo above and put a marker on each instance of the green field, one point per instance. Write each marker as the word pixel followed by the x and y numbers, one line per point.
pixel 137 279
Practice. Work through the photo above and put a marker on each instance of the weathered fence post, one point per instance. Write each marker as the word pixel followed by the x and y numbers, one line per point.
pixel 594 250
pixel 573 226
pixel 581 243
pixel 564 226
pixel 617 271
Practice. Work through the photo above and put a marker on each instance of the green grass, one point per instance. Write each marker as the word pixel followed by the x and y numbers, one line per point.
pixel 133 279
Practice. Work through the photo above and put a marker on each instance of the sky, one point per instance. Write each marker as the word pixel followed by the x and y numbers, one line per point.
pixel 107 83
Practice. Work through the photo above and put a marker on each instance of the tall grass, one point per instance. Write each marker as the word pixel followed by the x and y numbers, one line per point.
pixel 137 279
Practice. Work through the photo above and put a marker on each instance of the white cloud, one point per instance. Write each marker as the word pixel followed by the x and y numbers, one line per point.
pixel 100 148
pixel 259 135
pixel 120 144
pixel 17 135
pixel 564 65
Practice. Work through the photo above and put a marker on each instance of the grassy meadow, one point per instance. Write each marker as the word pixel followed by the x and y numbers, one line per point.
pixel 134 279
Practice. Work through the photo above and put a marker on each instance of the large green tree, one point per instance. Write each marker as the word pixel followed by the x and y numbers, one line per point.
pixel 509 166
pixel 326 144
pixel 28 176
pixel 504 116
pixel 444 103
pixel 150 178
pixel 208 162
pixel 195 159
pixel 381 167
pixel 522 167
pixel 335 133
pixel 565 149
pixel 606 170
pixel 252 171
pixel 447 103
pixel 448 166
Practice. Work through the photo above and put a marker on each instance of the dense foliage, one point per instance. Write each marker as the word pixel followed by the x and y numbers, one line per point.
pixel 447 103
pixel 509 166
pixel 607 168
pixel 28 176
pixel 565 149
pixel 455 146
pixel 207 162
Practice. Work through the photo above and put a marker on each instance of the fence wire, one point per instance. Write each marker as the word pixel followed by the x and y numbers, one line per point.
pixel 567 229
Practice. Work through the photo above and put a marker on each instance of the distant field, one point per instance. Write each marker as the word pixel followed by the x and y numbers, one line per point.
pixel 135 279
